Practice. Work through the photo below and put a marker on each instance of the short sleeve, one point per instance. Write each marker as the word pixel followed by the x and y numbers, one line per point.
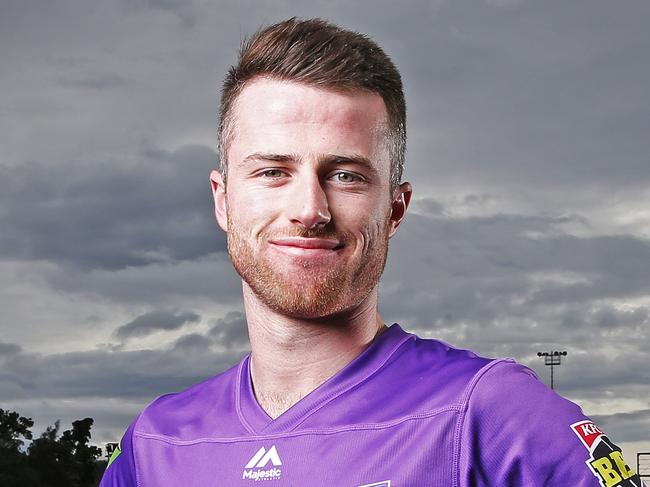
pixel 120 471
pixel 516 431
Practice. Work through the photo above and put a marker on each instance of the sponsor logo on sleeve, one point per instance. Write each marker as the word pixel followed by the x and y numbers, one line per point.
pixel 605 458
pixel 116 453
pixel 258 467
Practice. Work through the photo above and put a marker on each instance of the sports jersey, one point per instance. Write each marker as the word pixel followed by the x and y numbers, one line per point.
pixel 406 412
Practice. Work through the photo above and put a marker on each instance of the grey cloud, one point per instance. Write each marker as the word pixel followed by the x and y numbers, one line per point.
pixel 507 100
pixel 8 349
pixel 110 215
pixel 630 319
pixel 191 343
pixel 155 284
pixel 496 95
pixel 605 373
pixel 93 83
pixel 231 330
pixel 134 375
pixel 474 267
pixel 428 206
pixel 229 333
pixel 156 320
pixel 138 375
pixel 632 426
pixel 504 3
pixel 183 9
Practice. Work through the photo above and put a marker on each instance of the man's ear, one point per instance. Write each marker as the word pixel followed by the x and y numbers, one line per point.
pixel 401 200
pixel 219 195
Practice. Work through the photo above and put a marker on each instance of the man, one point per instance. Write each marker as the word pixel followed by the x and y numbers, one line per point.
pixel 312 143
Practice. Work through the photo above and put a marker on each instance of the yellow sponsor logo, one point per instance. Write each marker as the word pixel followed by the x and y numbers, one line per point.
pixel 612 469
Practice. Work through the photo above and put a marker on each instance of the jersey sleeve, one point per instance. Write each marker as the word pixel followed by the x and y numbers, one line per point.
pixel 120 471
pixel 517 431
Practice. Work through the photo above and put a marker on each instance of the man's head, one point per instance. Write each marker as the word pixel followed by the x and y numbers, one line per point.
pixel 312 195
pixel 321 54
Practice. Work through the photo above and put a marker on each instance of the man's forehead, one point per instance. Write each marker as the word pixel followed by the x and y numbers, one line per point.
pixel 279 101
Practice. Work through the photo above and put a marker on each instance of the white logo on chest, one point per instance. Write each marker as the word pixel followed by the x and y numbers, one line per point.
pixel 253 469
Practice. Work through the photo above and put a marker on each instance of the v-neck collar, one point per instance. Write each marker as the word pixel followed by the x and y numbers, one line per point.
pixel 257 421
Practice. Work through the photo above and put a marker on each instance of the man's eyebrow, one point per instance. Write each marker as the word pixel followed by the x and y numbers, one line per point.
pixel 330 159
pixel 352 159
pixel 262 156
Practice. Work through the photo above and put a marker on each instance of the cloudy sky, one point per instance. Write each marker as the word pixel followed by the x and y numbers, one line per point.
pixel 529 124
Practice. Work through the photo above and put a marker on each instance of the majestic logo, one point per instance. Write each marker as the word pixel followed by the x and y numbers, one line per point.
pixel 383 483
pixel 256 469
pixel 605 458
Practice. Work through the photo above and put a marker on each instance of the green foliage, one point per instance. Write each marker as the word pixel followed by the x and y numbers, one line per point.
pixel 52 460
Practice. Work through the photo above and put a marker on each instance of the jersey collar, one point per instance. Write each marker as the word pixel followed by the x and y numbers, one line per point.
pixel 373 358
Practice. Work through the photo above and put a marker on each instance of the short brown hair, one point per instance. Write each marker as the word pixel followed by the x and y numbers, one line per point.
pixel 319 53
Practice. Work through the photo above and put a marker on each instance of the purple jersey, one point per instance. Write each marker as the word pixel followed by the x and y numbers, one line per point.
pixel 406 412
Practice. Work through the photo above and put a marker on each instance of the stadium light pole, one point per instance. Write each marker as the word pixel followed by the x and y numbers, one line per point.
pixel 552 359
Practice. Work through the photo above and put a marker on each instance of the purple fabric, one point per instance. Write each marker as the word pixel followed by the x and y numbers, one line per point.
pixel 406 412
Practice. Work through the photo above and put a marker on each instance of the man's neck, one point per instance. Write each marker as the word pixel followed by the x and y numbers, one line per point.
pixel 291 357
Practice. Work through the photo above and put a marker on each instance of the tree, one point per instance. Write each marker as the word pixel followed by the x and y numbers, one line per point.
pixel 84 456
pixel 15 470
pixel 13 426
pixel 49 458
pixel 68 461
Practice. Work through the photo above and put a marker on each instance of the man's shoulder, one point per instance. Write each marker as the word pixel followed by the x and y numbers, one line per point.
pixel 462 376
pixel 443 358
pixel 433 361
pixel 439 360
pixel 448 374
pixel 193 412
pixel 418 375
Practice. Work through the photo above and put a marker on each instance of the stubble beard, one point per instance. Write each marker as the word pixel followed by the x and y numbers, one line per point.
pixel 308 291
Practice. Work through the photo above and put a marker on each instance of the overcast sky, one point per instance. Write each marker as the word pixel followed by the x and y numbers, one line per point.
pixel 529 128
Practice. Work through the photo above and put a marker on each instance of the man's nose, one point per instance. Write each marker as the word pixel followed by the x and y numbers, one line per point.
pixel 309 207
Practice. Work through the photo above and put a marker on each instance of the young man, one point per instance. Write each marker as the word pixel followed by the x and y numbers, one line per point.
pixel 312 142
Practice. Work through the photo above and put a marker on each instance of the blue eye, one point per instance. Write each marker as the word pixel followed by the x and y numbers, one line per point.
pixel 272 173
pixel 346 177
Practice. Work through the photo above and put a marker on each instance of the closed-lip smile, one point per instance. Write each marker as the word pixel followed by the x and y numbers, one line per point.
pixel 307 243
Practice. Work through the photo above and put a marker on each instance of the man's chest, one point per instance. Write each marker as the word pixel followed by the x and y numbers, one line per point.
pixel 408 452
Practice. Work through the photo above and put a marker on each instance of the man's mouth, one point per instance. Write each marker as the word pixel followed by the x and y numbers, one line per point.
pixel 302 246
pixel 307 243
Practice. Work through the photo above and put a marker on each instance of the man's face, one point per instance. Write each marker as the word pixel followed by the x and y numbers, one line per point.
pixel 308 207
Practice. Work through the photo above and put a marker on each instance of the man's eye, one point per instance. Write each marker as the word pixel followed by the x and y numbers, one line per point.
pixel 346 177
pixel 272 173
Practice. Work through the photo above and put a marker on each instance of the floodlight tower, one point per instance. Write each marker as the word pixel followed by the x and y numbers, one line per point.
pixel 552 359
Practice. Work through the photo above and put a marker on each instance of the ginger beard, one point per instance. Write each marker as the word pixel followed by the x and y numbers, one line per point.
pixel 307 289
